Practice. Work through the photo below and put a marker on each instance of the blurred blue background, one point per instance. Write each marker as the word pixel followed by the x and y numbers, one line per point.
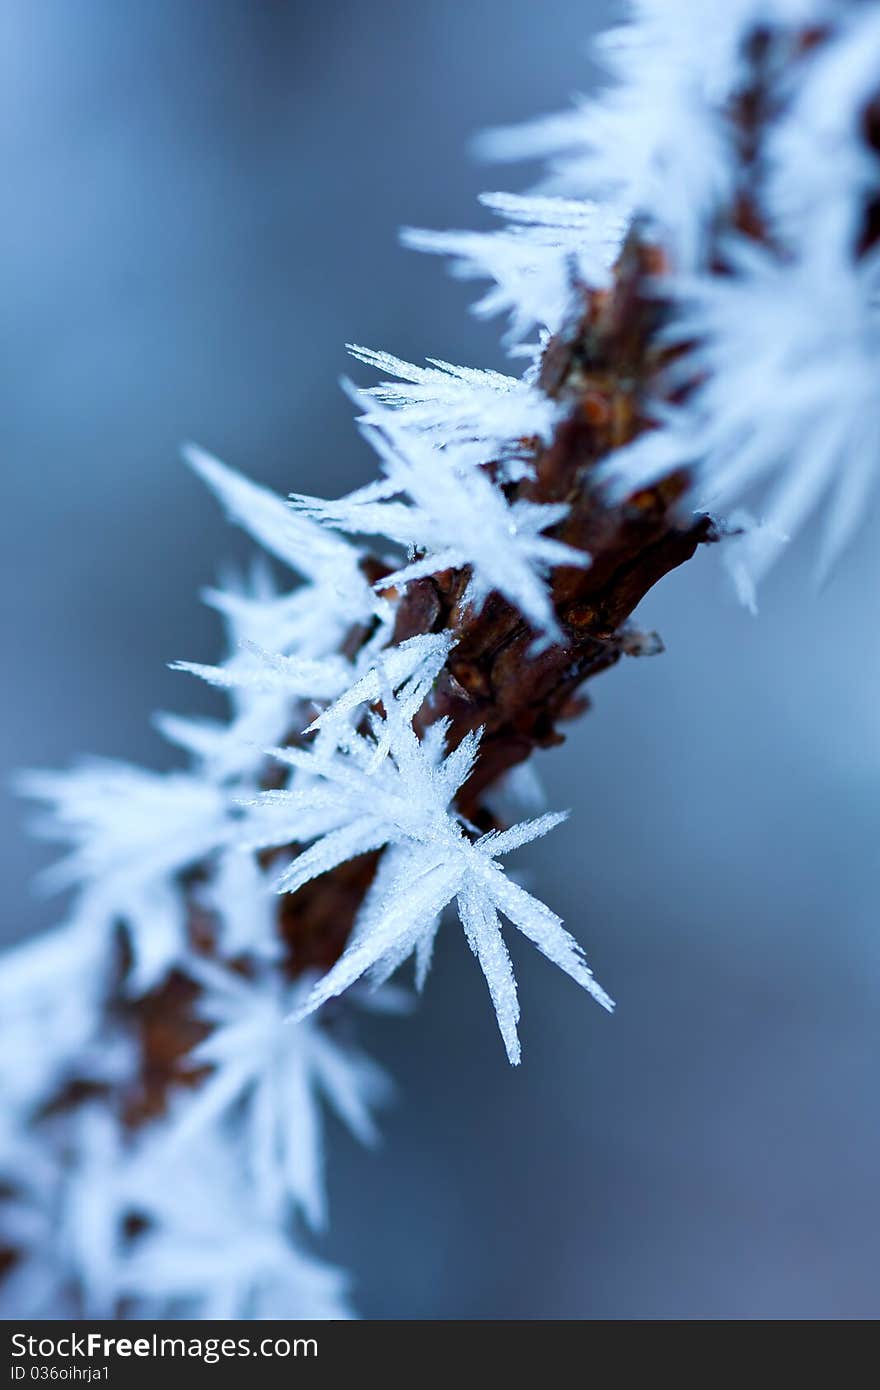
pixel 201 204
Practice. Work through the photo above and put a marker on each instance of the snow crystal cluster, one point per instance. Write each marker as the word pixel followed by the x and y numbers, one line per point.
pixel 202 1211
pixel 776 335
pixel 205 1206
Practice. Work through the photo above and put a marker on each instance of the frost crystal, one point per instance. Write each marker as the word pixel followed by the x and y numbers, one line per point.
pixel 460 518
pixel 72 1205
pixel 404 806
pixel 132 832
pixel 267 1077
pixel 658 141
pixel 463 404
pixel 51 993
pixel 780 414
pixel 209 1251
pixel 335 592
pixel 550 246
pixel 785 398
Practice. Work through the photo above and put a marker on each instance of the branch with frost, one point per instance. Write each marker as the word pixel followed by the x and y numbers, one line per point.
pixel 502 414
pixel 775 352
pixel 265 1080
pixel 694 289
pixel 461 520
pixel 549 246
pixel 405 807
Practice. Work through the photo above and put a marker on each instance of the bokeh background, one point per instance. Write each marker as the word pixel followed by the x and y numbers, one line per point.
pixel 200 208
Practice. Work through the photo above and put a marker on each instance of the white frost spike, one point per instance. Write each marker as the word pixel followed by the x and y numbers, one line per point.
pixel 574 226
pixel 267 1080
pixel 749 548
pixel 785 403
pixel 92 1209
pixel 404 804
pixel 67 1215
pixel 657 142
pixel 296 677
pixel 304 548
pixel 418 660
pixel 457 515
pixel 51 995
pixel 342 595
pixel 463 403
pixel 551 245
pixel 240 895
pixel 302 624
pixel 132 832
pixel 820 169
pixel 209 1250
pixel 265 686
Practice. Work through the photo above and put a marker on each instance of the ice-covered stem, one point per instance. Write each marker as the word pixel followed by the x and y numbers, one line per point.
pixel 601 367
pixel 729 355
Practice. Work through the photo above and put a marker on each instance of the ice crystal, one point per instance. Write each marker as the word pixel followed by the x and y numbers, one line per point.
pixel 658 140
pixel 403 805
pixel 549 246
pixel 210 1251
pixel 51 993
pixel 466 404
pixel 239 899
pixel 70 1202
pixel 335 592
pixel 132 833
pixel 821 172
pixel 268 1076
pixel 783 403
pixel 455 513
